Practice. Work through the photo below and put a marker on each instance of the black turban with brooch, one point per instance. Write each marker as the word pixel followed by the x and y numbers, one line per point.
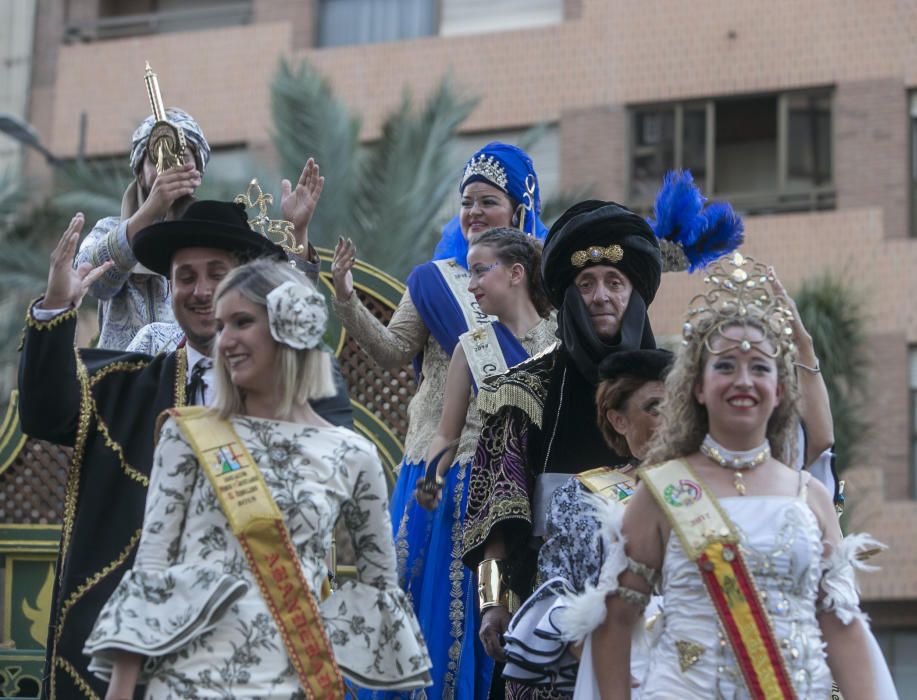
pixel 600 233
pixel 598 225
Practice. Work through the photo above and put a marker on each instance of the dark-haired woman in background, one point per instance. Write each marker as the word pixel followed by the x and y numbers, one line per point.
pixel 627 409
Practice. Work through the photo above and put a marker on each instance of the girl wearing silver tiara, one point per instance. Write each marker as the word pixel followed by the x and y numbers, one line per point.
pixel 498 188
pixel 219 605
pixel 756 577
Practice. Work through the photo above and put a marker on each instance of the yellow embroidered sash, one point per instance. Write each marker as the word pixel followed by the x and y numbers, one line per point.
pixel 609 482
pixel 257 522
pixel 711 541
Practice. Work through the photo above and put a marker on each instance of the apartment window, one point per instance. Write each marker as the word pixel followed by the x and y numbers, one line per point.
pixel 912 382
pixel 482 16
pixel 764 153
pixel 343 22
pixel 913 178
pixel 122 18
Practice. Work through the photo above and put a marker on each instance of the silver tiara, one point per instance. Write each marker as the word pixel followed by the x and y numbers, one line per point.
pixel 487 167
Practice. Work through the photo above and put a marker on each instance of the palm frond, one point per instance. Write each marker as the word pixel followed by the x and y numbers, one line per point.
pixel 530 138
pixel 92 187
pixel 556 204
pixel 24 267
pixel 832 312
pixel 310 122
pixel 406 177
pixel 11 191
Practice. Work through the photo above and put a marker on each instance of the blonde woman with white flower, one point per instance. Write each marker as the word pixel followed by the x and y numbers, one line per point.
pixel 226 597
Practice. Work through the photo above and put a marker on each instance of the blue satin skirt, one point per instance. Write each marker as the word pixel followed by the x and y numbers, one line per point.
pixel 428 547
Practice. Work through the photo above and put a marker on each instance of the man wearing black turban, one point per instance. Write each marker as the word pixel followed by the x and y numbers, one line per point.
pixel 601 266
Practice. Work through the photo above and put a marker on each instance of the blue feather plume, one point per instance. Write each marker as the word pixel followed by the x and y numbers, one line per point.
pixel 677 208
pixel 723 233
pixel 703 235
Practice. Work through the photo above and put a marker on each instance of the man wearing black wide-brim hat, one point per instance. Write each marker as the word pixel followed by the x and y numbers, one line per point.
pixel 601 266
pixel 104 404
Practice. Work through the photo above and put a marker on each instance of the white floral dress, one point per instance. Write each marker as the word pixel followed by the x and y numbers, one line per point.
pixel 191 606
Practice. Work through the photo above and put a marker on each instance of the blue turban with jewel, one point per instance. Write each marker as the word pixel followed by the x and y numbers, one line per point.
pixel 194 137
pixel 509 169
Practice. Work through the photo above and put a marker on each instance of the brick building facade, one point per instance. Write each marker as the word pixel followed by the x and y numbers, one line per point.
pixel 613 78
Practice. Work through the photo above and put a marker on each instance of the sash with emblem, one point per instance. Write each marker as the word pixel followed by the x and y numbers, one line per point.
pixel 256 520
pixel 710 539
pixel 491 350
pixel 610 483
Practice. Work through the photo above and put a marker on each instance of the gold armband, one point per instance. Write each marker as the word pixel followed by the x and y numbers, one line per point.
pixel 493 589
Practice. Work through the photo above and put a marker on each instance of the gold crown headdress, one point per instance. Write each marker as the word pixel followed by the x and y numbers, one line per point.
pixel 280 231
pixel 487 167
pixel 166 142
pixel 741 294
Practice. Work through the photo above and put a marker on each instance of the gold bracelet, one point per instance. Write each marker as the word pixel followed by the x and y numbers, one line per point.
pixel 811 370
pixel 490 584
pixel 493 589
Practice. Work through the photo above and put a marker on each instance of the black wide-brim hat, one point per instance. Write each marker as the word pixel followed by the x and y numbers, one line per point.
pixel 597 223
pixel 205 224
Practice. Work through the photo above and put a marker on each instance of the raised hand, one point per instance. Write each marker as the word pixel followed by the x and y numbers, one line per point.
pixel 169 186
pixel 800 335
pixel 345 255
pixel 298 205
pixel 68 285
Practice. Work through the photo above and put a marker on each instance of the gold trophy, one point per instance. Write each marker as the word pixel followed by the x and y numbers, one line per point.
pixel 166 144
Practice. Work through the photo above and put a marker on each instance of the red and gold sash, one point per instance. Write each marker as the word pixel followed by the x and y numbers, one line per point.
pixel 710 540
pixel 256 520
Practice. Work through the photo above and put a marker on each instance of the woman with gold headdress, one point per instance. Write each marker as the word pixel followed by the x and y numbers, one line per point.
pixel 756 577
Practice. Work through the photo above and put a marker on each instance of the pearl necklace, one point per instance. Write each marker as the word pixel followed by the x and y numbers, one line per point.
pixel 740 462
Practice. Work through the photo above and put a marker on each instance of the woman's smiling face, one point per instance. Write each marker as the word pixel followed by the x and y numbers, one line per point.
pixel 245 344
pixel 484 207
pixel 740 389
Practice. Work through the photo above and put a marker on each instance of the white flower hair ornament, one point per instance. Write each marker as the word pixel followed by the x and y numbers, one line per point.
pixel 296 315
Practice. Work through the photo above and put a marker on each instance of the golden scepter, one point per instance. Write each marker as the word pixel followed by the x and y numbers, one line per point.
pixel 166 144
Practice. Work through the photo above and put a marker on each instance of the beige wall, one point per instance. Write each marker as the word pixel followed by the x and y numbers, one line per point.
pixel 17 21
pixel 615 52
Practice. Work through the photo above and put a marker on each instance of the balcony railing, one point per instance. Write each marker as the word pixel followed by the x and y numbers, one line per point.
pixel 762 203
pixel 224 15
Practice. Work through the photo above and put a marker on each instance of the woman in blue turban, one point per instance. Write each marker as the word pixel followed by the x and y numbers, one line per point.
pixel 498 188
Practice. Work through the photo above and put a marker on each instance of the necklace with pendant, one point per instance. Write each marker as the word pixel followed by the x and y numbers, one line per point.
pixel 739 462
